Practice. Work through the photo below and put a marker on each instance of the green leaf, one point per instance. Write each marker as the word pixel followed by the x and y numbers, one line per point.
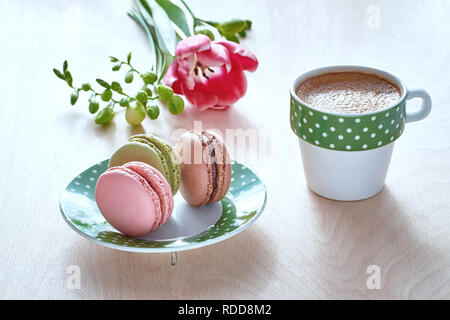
pixel 129 57
pixel 113 59
pixel 65 66
pixel 141 13
pixel 103 83
pixel 68 77
pixel 59 74
pixel 167 60
pixel 143 19
pixel 166 37
pixel 175 14
pixel 116 86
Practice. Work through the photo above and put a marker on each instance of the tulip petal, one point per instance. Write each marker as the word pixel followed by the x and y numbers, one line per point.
pixel 185 67
pixel 220 91
pixel 231 86
pixel 191 45
pixel 245 57
pixel 201 98
pixel 216 56
pixel 172 74
pixel 171 78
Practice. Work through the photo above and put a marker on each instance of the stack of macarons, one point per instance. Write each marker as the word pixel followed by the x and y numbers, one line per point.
pixel 135 195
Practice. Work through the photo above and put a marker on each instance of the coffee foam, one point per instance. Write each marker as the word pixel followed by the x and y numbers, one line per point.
pixel 348 92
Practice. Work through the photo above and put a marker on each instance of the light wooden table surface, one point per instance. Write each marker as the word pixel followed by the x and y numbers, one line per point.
pixel 303 246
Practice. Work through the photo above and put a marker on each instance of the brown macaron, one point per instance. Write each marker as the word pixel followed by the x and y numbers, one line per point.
pixel 205 167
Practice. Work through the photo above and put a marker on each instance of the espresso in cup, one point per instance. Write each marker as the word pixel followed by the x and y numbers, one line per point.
pixel 348 92
pixel 347 119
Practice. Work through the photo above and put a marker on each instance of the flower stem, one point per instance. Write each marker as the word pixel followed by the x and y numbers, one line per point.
pixel 198 21
pixel 189 10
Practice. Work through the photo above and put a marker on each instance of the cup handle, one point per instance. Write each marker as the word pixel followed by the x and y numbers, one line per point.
pixel 424 109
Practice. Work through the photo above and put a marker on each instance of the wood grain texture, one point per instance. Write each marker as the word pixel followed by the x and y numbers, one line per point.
pixel 303 246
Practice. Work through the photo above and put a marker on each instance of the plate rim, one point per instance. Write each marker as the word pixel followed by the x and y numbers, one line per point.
pixel 191 246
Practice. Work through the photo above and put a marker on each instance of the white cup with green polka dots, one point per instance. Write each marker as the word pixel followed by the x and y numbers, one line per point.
pixel 346 156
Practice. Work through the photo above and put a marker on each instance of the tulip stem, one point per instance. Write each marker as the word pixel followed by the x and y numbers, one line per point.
pixel 189 10
pixel 199 21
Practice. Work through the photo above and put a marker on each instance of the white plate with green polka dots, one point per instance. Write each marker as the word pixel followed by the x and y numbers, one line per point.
pixel 188 228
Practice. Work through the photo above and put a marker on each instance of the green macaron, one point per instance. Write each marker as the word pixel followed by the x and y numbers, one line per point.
pixel 153 151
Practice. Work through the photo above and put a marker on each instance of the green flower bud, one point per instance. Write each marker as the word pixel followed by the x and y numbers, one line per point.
pixel 106 95
pixel 124 102
pixel 149 78
pixel 153 112
pixel 105 115
pixel 116 86
pixel 147 90
pixel 74 97
pixel 116 66
pixel 165 93
pixel 176 105
pixel 141 96
pixel 86 86
pixel 231 37
pixel 232 26
pixel 135 113
pixel 93 107
pixel 129 77
pixel 206 32
pixel 243 34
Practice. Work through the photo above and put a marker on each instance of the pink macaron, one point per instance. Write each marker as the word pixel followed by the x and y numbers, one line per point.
pixel 134 198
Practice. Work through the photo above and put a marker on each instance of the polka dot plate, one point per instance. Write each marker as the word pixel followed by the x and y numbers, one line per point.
pixel 188 228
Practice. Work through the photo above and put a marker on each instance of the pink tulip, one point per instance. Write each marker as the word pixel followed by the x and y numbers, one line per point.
pixel 210 74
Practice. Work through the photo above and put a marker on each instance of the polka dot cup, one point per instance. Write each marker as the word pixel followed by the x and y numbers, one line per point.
pixel 346 156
